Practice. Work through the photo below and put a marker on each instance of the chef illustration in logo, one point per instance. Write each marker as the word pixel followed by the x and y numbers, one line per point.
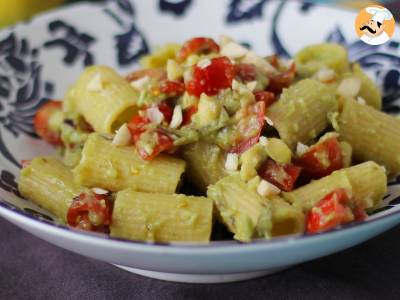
pixel 375 25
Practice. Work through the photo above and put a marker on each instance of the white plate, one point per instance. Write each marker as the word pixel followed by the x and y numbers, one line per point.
pixel 40 59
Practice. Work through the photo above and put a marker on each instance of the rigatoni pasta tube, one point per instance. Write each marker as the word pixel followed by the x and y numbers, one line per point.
pixel 205 163
pixel 50 184
pixel 286 219
pixel 242 210
pixel 372 134
pixel 105 99
pixel 369 183
pixel 116 168
pixel 161 217
pixel 302 111
pixel 308 195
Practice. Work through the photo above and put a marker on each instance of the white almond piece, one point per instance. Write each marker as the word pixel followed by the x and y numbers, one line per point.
pixel 232 162
pixel 349 87
pixel 155 115
pixel 263 141
pixel 234 50
pixel 269 121
pixel 140 83
pixel 122 136
pixel 204 63
pixel 252 85
pixel 301 149
pixel 235 84
pixel 95 85
pixel 224 40
pixel 325 75
pixel 266 189
pixel 100 191
pixel 177 118
pixel 252 58
pixel 361 100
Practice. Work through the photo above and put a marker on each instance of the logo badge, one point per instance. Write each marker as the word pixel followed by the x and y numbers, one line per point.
pixel 375 25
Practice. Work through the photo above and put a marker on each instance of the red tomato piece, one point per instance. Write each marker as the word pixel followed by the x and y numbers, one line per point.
pixel 329 212
pixel 164 143
pixel 267 97
pixel 322 158
pixel 25 163
pixel 211 79
pixel 280 81
pixel 90 212
pixel 249 127
pixel 172 88
pixel 41 122
pixel 198 45
pixel 137 126
pixel 188 113
pixel 274 61
pixel 282 176
pixel 166 110
pixel 245 72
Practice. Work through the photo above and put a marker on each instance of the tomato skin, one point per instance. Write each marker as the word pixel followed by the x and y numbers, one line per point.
pixel 245 72
pixel 166 110
pixel 211 79
pixel 172 88
pixel 329 212
pixel 188 113
pixel 137 127
pixel 267 97
pixel 197 45
pixel 244 142
pixel 85 204
pixel 41 122
pixel 164 143
pixel 311 160
pixel 282 176
pixel 280 81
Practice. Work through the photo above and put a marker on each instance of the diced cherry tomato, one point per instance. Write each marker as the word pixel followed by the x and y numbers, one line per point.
pixel 198 45
pixel 249 127
pixel 274 61
pixel 211 79
pixel 158 74
pixel 25 163
pixel 164 143
pixel 280 81
pixel 283 176
pixel 245 72
pixel 166 110
pixel 322 159
pixel 329 212
pixel 359 213
pixel 137 126
pixel 41 122
pixel 172 88
pixel 267 97
pixel 188 113
pixel 90 212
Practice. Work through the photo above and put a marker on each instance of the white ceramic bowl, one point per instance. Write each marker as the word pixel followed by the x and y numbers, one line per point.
pixel 40 59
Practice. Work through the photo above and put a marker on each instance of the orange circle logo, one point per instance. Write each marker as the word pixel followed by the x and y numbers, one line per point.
pixel 375 25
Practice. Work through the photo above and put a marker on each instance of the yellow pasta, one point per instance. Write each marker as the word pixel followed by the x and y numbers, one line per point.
pixel 161 218
pixel 116 168
pixel 205 164
pixel 242 210
pixel 372 134
pixel 48 183
pixel 302 111
pixel 104 98
pixel 308 195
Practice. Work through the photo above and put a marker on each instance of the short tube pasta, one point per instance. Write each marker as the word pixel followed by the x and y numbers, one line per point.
pixel 105 99
pixel 205 164
pixel 161 217
pixel 372 134
pixel 48 183
pixel 302 111
pixel 116 168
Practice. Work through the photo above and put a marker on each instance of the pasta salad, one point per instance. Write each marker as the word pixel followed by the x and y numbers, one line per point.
pixel 270 146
